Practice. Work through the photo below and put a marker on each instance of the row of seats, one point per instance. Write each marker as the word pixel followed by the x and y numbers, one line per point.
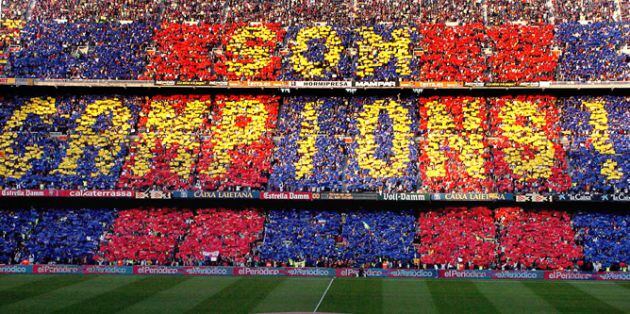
pixel 268 52
pixel 472 238
pixel 298 11
pixel 439 144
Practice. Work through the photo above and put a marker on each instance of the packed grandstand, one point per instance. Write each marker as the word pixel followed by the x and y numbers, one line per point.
pixel 294 40
pixel 504 238
pixel 386 144
pixel 541 145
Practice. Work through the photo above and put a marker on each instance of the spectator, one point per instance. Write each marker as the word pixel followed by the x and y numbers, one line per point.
pixel 250 52
pixel 385 53
pixel 506 11
pixel 318 53
pixel 14 10
pixel 374 237
pixel 9 40
pixel 15 228
pixel 374 12
pixel 27 151
pixel 183 52
pixel 86 151
pixel 147 236
pixel 457 11
pixel 593 11
pixel 305 235
pixel 94 10
pixel 181 11
pixel 451 238
pixel 453 53
pixel 98 143
pixel 521 53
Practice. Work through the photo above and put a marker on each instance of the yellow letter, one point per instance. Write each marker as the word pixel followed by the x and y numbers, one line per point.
pixel 12 164
pixel 600 137
pixel 468 143
pixel 108 142
pixel 228 135
pixel 166 126
pixel 309 69
pixel 375 52
pixel 531 134
pixel 365 152
pixel 246 59
pixel 307 139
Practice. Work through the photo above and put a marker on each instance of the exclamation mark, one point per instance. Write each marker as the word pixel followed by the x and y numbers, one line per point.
pixel 600 137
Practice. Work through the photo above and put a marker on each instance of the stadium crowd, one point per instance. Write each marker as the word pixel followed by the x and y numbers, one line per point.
pixel 506 11
pixel 453 53
pixel 68 142
pixel 383 151
pixel 440 144
pixel 15 226
pixel 454 11
pixel 597 142
pixel 144 236
pixel 604 238
pixel 97 11
pixel 310 155
pixel 457 237
pixel 438 238
pixel 378 237
pixel 527 154
pixel 222 235
pixel 595 11
pixel 81 50
pixel 168 142
pixel 455 153
pixel 238 151
pixel 15 9
pixel 592 52
pixel 295 236
pixel 238 48
pixel 182 52
pixel 67 236
pixel 9 39
pixel 536 239
pixel 308 12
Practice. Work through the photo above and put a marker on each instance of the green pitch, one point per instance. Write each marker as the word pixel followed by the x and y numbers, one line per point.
pixel 159 294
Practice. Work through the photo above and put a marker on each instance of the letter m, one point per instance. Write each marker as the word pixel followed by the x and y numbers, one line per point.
pixel 376 51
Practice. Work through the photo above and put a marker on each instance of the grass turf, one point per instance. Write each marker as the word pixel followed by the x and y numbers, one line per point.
pixel 163 294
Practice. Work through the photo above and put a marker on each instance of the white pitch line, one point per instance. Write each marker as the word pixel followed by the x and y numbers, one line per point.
pixel 324 295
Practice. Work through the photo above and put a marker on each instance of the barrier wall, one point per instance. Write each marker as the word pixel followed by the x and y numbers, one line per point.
pixel 308 196
pixel 311 272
